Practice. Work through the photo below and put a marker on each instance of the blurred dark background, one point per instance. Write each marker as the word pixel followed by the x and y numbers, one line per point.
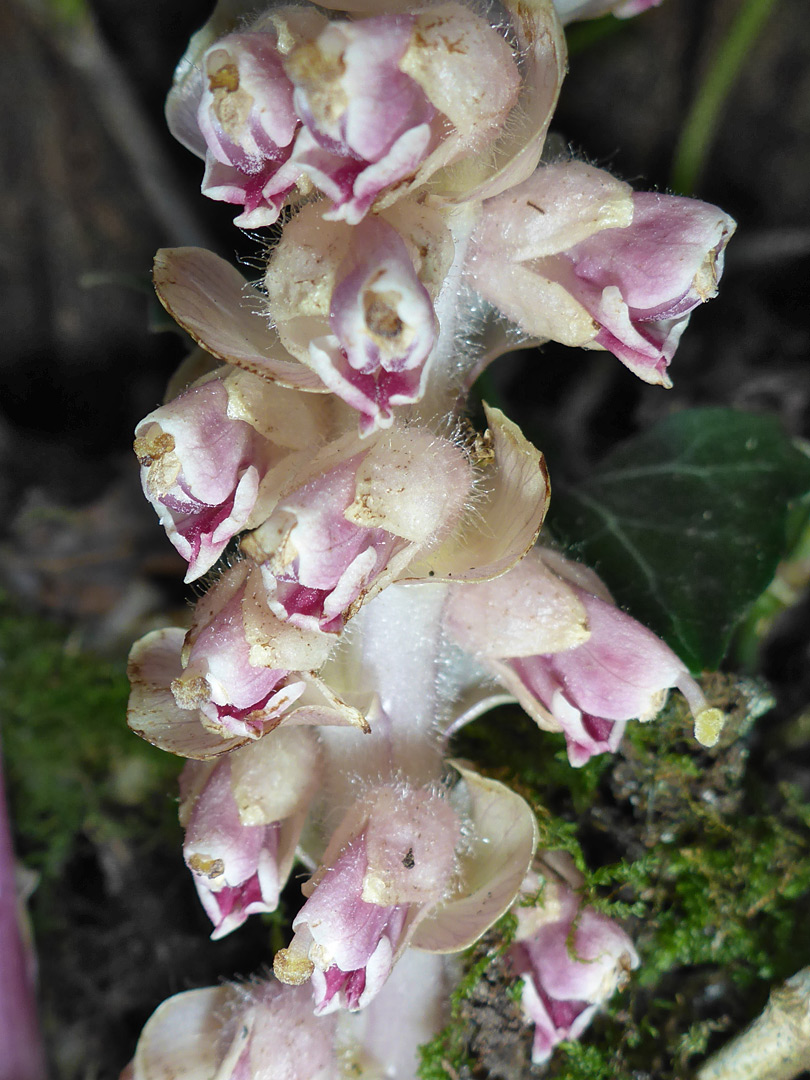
pixel 93 184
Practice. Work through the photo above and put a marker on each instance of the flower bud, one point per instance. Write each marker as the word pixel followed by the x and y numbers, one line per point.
pixel 571 957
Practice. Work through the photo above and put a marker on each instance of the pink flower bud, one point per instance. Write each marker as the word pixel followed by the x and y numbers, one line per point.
pixel 243 814
pixel 323 562
pixel 640 283
pixel 571 957
pixel 572 255
pixel 234 866
pixel 177 711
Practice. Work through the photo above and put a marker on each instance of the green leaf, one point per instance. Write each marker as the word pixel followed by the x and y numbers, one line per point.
pixel 686 523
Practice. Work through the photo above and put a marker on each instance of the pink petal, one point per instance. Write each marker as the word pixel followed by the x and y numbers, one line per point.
pixel 380 311
pixel 621 670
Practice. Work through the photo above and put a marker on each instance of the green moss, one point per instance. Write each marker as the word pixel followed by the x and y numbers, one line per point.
pixel 584 1062
pixel 72 765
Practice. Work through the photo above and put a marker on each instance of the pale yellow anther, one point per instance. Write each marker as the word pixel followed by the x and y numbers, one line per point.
pixel 292 967
pixel 190 691
pixel 206 865
pixel 708 726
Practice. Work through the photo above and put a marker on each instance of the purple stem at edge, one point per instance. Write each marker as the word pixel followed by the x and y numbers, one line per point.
pixel 21 1052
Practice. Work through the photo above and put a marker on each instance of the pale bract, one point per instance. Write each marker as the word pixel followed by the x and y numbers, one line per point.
pixel 572 10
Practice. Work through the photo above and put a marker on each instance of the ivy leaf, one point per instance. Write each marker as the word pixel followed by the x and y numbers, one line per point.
pixel 687 522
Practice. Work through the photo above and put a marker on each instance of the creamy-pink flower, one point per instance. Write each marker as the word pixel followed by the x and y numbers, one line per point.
pixel 355 303
pixel 242 814
pixel 237 1033
pixel 363 905
pixel 201 470
pixel 323 562
pixel 575 661
pixel 361 108
pixel 232 694
pixel 247 119
pixel 383 328
pixel 574 255
pixel 570 956
pixel 338 539
pixel 367 123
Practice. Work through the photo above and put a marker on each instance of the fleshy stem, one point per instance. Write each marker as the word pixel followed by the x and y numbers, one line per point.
pixel 701 122
pixel 22 1056
pixel 776 1046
